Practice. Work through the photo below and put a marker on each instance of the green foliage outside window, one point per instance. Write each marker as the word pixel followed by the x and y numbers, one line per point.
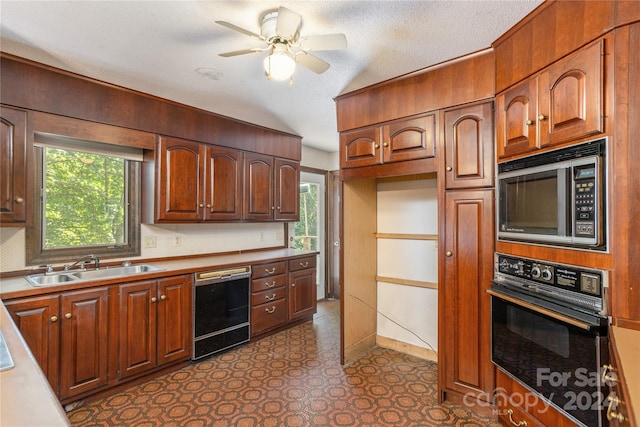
pixel 85 199
pixel 306 236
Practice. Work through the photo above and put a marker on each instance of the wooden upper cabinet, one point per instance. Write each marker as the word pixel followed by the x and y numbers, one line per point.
pixel 258 181
pixel 563 103
pixel 13 167
pixel 287 190
pixel 409 139
pixel 571 97
pixel 180 168
pixel 399 140
pixel 468 133
pixel 223 189
pixel 360 147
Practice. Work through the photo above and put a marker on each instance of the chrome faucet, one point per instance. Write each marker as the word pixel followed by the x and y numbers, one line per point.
pixel 82 261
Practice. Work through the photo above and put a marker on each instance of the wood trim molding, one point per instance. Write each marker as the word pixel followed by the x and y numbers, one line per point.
pixel 416 283
pixel 407 348
pixel 407 236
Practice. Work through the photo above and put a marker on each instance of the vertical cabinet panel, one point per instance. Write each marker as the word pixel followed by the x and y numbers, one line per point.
pixel 83 341
pixel 179 176
pixel 13 167
pixel 174 319
pixel 223 184
pixel 38 320
pixel 287 190
pixel 137 328
pixel 258 181
pixel 516 119
pixel 468 133
pixel 467 274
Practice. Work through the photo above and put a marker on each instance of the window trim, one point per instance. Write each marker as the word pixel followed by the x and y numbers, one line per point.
pixel 35 255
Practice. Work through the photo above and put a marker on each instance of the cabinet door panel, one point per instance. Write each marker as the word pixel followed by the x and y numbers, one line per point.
pixel 571 97
pixel 38 320
pixel 174 319
pixel 409 139
pixel 84 341
pixel 302 293
pixel 469 146
pixel 287 190
pixel 224 184
pixel 13 158
pixel 180 181
pixel 137 328
pixel 516 120
pixel 468 272
pixel 360 147
pixel 258 203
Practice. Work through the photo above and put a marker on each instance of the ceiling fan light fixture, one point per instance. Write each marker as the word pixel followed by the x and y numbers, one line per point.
pixel 279 65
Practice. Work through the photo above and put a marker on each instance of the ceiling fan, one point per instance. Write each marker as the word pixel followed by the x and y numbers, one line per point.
pixel 280 31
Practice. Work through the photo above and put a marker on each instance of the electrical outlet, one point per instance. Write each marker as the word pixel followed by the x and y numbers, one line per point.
pixel 261 236
pixel 150 241
pixel 177 240
pixel 435 246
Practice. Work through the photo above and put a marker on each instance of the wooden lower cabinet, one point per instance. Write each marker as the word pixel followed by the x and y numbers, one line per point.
pixel 465 368
pixel 281 292
pixel 67 334
pixel 155 319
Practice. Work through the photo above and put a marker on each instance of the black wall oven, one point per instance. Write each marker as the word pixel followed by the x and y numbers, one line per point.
pixel 549 332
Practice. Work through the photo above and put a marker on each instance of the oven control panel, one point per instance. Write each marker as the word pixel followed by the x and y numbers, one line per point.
pixel 559 276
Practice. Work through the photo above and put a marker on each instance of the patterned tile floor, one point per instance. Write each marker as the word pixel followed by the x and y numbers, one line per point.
pixel 293 378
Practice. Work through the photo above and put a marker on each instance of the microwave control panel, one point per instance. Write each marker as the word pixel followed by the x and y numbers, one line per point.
pixel 585 199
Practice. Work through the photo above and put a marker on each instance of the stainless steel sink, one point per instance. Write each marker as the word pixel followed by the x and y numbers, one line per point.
pixel 65 277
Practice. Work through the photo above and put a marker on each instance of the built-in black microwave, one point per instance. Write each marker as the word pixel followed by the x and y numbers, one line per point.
pixel 555 198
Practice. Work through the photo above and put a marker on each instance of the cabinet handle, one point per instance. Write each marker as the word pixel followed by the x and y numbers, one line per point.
pixel 386 144
pixel 67 316
pixel 270 285
pixel 270 311
pixel 614 401
pixel 293 285
pixel 54 319
pixel 19 200
pixel 376 146
pixel 270 298
pixel 522 423
pixel 273 270
pixel 449 253
pixel 305 265
pixel 606 378
pixel 154 299
pixel 449 168
pixel 208 205
pixel 163 297
pixel 201 205
pixel 542 117
pixel 529 122
pixel 273 208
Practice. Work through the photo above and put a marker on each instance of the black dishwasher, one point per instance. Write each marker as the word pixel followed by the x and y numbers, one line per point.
pixel 220 310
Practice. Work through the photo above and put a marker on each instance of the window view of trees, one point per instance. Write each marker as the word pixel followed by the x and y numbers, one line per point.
pixel 84 199
pixel 306 236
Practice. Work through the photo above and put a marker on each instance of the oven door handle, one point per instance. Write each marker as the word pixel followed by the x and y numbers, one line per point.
pixel 541 310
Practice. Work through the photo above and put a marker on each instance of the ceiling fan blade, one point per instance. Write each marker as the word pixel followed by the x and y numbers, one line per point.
pixel 313 63
pixel 288 23
pixel 325 42
pixel 242 52
pixel 240 30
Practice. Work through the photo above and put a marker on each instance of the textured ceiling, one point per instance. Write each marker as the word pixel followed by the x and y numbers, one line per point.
pixel 170 49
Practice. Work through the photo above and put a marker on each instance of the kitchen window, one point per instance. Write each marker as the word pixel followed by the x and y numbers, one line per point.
pixel 87 200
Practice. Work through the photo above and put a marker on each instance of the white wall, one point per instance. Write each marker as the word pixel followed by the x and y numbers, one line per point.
pixel 408 207
pixel 318 159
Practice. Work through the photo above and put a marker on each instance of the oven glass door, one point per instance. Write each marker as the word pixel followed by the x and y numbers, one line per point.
pixel 558 361
pixel 220 305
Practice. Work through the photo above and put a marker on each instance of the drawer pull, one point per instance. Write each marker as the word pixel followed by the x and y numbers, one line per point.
pixel 522 423
pixel 273 270
pixel 614 401
pixel 608 378
pixel 305 265
pixel 273 309
pixel 270 298
pixel 270 285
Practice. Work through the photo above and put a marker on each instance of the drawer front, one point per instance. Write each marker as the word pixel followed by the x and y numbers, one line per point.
pixel 268 283
pixel 267 296
pixel 268 316
pixel 302 263
pixel 268 270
